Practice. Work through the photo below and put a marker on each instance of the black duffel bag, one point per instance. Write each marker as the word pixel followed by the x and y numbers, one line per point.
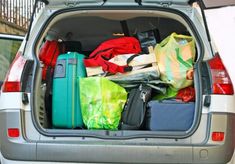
pixel 134 112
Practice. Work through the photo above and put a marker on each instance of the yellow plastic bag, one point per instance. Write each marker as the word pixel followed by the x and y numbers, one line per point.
pixel 102 102
pixel 175 56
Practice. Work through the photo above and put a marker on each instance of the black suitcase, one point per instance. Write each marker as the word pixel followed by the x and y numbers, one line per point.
pixel 72 46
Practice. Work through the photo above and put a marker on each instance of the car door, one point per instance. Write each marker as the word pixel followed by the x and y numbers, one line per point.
pixel 9 45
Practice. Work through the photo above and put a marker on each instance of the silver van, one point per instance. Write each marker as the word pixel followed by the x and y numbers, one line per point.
pixel 26 135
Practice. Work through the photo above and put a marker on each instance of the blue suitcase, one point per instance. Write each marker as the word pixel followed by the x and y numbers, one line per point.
pixel 66 111
pixel 169 115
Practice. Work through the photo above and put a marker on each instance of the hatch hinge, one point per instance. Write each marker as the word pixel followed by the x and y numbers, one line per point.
pixel 139 2
pixel 71 3
pixel 166 4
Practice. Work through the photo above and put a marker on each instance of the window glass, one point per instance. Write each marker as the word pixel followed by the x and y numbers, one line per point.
pixel 8 50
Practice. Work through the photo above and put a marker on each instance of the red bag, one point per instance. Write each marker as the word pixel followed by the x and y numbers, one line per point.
pixel 49 53
pixel 111 48
pixel 186 94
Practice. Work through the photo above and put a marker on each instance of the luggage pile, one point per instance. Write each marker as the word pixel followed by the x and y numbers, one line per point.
pixel 126 83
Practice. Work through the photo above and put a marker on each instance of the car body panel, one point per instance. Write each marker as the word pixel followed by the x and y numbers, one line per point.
pixel 14 103
pixel 220 104
pixel 15 148
pixel 207 3
pixel 129 151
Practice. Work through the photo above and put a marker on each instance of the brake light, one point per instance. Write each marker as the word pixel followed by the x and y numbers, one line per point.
pixel 218 136
pixel 221 81
pixel 12 81
pixel 13 132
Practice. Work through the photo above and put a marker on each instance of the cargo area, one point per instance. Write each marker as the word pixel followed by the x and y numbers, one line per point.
pixel 81 33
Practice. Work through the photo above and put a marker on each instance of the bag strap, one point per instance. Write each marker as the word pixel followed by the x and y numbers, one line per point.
pixel 125 28
pixel 131 58
pixel 48 105
pixel 188 65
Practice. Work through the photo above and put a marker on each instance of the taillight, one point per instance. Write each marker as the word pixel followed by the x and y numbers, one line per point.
pixel 13 132
pixel 221 81
pixel 217 136
pixel 12 81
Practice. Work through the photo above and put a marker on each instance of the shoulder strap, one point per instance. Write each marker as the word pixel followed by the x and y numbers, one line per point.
pixel 131 58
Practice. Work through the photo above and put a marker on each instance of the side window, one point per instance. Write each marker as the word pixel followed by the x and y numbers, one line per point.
pixel 8 49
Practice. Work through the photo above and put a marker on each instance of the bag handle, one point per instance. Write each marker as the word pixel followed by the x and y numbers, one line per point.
pixel 181 60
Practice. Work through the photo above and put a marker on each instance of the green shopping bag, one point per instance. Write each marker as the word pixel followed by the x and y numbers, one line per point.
pixel 102 102
pixel 175 56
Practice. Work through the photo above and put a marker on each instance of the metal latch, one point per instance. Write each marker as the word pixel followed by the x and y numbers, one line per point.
pixel 25 98
pixel 207 101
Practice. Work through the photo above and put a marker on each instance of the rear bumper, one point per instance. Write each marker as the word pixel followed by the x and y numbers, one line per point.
pixel 143 150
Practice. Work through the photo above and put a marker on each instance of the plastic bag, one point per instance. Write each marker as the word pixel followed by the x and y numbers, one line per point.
pixel 102 102
pixel 150 79
pixel 169 94
pixel 186 94
pixel 175 56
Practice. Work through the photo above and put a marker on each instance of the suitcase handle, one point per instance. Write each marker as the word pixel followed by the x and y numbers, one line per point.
pixel 60 69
